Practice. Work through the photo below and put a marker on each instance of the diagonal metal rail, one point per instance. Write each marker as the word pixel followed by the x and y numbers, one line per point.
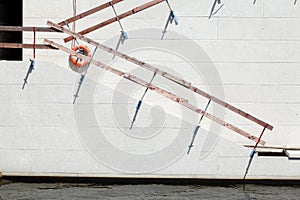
pixel 159 90
pixel 89 12
pixel 27 28
pixel 25 46
pixel 162 73
pixel 114 19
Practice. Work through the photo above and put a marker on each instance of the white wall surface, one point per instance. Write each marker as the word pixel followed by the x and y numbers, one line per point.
pixel 255 49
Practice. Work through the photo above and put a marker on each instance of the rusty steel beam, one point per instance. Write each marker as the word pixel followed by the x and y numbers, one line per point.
pixel 296 148
pixel 88 12
pixel 114 19
pixel 164 74
pixel 26 46
pixel 29 29
pixel 159 90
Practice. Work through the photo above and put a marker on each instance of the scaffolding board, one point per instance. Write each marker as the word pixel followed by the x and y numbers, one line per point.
pixel 80 36
pixel 115 19
pixel 162 73
pixel 159 90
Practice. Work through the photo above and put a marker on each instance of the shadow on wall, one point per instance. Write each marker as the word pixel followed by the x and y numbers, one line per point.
pixel 11 14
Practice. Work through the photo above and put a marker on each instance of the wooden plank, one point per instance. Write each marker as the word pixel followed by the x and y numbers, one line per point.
pixel 114 19
pixel 122 55
pixel 164 74
pixel 28 29
pixel 274 147
pixel 25 46
pixel 89 12
pixel 231 107
pixel 161 91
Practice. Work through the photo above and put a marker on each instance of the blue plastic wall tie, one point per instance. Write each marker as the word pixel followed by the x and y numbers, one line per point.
pixel 138 106
pixel 82 76
pixel 214 11
pixel 197 128
pixel 30 69
pixel 172 17
pixel 252 153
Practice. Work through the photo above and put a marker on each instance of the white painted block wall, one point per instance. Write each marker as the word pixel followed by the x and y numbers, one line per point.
pixel 255 49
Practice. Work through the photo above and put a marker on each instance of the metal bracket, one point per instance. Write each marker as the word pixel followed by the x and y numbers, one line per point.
pixel 30 69
pixel 75 39
pixel 212 10
pixel 253 152
pixel 123 37
pixel 138 106
pixel 124 34
pixel 197 128
pixel 82 76
pixel 172 17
